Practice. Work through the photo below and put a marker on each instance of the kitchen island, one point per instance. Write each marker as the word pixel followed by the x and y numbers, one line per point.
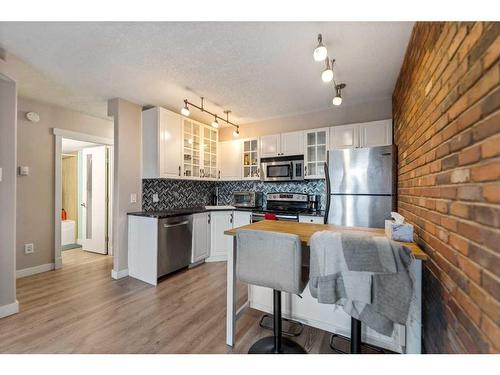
pixel 406 339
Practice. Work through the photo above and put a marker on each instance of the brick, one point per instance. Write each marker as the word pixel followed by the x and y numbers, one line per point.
pixel 486 172
pixel 471 269
pixel 491 103
pixel 469 193
pixel 459 209
pixel 449 223
pixel 488 304
pixel 459 243
pixel 491 284
pixel 492 53
pixel 491 193
pixel 460 176
pixel 461 141
pixel 487 215
pixel 442 206
pixel 485 258
pixel 487 127
pixel 484 42
pixel 469 156
pixel 492 331
pixel 469 307
pixel 450 162
pixel 491 147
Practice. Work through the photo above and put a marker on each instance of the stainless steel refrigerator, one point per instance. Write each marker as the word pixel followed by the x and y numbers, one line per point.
pixel 360 186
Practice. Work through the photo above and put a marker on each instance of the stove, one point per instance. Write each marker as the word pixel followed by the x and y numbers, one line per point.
pixel 287 206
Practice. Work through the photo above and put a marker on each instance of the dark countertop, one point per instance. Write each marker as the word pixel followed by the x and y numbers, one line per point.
pixel 196 210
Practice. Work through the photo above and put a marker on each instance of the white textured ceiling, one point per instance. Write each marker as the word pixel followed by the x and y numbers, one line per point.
pixel 258 70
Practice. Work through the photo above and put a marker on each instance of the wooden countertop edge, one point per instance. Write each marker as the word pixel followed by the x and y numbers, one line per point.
pixel 306 230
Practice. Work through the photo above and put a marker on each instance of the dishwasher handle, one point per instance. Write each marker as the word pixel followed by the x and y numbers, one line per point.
pixel 176 224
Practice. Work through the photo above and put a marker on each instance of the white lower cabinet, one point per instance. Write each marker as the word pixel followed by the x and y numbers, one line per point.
pixel 241 218
pixel 220 221
pixel 311 219
pixel 201 237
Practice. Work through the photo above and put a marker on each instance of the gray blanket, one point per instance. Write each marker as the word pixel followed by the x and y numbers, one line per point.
pixel 368 276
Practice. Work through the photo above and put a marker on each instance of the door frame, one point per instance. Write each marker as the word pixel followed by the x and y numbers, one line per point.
pixel 59 134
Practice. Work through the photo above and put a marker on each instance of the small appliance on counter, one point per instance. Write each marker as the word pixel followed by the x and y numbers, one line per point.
pixel 283 168
pixel 247 199
pixel 286 207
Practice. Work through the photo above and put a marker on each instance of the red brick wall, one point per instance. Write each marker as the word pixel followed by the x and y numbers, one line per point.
pixel 447 129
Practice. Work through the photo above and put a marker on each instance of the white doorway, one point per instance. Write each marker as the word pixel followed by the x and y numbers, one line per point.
pixel 83 213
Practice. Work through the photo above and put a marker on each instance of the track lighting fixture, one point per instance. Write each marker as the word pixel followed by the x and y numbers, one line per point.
pixel 215 123
pixel 320 51
pixel 185 110
pixel 337 100
pixel 327 75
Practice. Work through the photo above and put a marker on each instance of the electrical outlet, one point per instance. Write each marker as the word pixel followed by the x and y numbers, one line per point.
pixel 29 248
pixel 155 198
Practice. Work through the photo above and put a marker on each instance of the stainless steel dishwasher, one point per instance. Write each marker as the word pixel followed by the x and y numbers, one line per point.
pixel 174 243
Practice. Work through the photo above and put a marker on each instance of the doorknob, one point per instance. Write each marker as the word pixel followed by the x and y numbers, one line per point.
pixel 83 205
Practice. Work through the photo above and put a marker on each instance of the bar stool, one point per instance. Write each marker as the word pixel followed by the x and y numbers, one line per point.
pixel 272 260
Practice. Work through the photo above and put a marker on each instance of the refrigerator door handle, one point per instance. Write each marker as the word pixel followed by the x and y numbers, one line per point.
pixel 328 189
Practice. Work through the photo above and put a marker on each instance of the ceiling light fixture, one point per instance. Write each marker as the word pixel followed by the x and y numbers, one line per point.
pixel 327 75
pixel 320 51
pixel 215 123
pixel 337 100
pixel 185 110
pixel 236 133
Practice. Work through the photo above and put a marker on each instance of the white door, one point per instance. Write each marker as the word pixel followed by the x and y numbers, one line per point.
pixel 344 136
pixel 219 242
pixel 270 145
pixel 292 143
pixel 375 133
pixel 201 236
pixel 94 199
pixel 230 160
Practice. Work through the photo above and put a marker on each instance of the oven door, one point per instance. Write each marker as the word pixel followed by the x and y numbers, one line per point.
pixel 277 171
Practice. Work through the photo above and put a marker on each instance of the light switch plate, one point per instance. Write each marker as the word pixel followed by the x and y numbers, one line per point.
pixel 133 198
pixel 24 171
pixel 155 198
pixel 29 248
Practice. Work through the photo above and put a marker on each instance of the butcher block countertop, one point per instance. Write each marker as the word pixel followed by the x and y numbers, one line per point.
pixel 306 230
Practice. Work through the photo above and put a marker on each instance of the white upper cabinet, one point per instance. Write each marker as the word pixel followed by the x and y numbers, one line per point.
pixel 375 133
pixel 315 146
pixel 230 156
pixel 366 134
pixel 199 150
pixel 251 169
pixel 270 145
pixel 292 143
pixel 162 144
pixel 344 136
pixel 282 144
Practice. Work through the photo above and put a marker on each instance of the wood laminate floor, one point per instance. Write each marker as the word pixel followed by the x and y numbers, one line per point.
pixel 80 309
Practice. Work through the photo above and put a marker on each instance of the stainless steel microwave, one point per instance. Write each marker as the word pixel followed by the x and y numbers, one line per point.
pixel 251 199
pixel 284 168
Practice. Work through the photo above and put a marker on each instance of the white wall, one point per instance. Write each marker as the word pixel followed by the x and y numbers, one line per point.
pixel 347 113
pixel 128 176
pixel 8 135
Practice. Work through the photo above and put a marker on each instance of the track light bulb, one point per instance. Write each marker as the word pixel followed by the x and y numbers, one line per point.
pixel 185 109
pixel 215 123
pixel 320 51
pixel 327 75
pixel 337 100
pixel 236 133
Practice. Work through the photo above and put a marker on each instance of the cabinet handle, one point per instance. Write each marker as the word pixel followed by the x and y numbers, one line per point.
pixel 305 170
pixel 208 218
pixel 231 219
pixel 179 170
pixel 219 174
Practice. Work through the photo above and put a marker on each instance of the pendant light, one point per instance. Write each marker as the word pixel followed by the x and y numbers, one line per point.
pixel 215 123
pixel 337 100
pixel 320 51
pixel 236 133
pixel 185 109
pixel 327 74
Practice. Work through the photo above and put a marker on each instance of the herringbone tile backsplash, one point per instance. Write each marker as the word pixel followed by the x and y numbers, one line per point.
pixel 174 194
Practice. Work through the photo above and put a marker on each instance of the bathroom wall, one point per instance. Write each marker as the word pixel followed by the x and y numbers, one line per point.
pixel 174 194
pixel 69 187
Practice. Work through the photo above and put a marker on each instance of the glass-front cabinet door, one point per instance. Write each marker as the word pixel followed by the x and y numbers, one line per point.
pixel 250 159
pixel 191 149
pixel 210 138
pixel 316 142
pixel 199 150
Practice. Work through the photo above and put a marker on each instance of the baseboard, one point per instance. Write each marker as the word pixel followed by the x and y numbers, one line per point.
pixel 119 274
pixel 9 309
pixel 34 270
pixel 217 258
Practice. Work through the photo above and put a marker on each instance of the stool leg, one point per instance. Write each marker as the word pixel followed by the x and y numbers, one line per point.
pixel 277 320
pixel 355 336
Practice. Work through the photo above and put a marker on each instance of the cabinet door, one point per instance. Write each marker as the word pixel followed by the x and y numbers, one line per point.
pixel 375 133
pixel 242 218
pixel 201 236
pixel 292 143
pixel 192 141
pixel 270 145
pixel 230 153
pixel 251 169
pixel 219 242
pixel 170 144
pixel 315 146
pixel 210 149
pixel 344 136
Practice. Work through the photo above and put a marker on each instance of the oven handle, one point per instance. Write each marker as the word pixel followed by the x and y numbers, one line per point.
pixel 176 224
pixel 291 170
